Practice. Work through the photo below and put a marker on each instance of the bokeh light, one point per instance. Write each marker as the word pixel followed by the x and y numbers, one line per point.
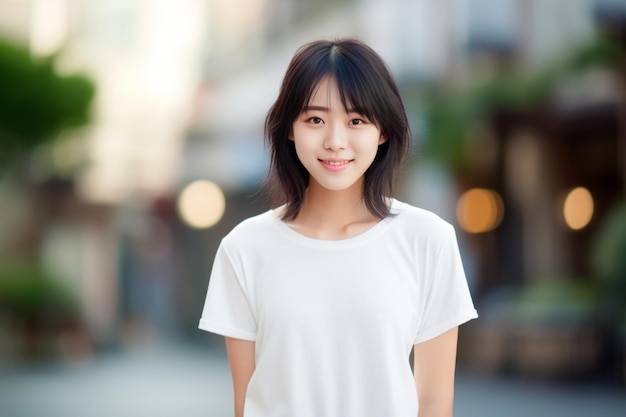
pixel 201 204
pixel 479 210
pixel 578 208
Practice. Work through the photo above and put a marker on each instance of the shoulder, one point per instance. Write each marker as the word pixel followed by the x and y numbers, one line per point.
pixel 251 231
pixel 420 223
pixel 426 220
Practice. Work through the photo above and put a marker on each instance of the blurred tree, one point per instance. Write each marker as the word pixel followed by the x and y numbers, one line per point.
pixel 453 115
pixel 608 266
pixel 36 102
pixel 608 262
pixel 35 304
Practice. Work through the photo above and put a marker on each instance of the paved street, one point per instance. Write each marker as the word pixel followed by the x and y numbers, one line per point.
pixel 171 380
pixel 179 380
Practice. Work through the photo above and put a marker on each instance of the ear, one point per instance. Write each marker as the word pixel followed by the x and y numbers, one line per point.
pixel 290 136
pixel 382 140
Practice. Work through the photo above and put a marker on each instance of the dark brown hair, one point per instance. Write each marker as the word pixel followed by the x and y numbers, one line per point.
pixel 366 85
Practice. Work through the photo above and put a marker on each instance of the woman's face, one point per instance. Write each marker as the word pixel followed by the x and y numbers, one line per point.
pixel 335 146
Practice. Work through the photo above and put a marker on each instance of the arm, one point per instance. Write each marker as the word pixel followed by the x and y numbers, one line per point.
pixel 434 364
pixel 241 359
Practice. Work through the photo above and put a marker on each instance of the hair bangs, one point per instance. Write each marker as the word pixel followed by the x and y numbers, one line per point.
pixel 354 93
pixel 352 83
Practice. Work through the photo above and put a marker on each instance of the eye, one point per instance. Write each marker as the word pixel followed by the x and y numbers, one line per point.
pixel 315 120
pixel 356 122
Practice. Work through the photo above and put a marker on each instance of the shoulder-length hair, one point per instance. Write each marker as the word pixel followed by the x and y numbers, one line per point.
pixel 366 85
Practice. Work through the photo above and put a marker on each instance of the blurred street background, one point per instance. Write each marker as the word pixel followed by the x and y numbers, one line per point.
pixel 131 142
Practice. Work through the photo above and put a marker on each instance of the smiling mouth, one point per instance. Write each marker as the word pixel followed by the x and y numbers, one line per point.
pixel 336 163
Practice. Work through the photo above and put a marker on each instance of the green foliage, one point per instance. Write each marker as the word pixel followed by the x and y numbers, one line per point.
pixel 451 116
pixel 449 121
pixel 556 301
pixel 608 261
pixel 29 294
pixel 36 102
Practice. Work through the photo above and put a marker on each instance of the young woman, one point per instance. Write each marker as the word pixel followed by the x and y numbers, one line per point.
pixel 323 298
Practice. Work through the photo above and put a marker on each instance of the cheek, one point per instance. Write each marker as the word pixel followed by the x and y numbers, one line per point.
pixel 302 150
pixel 297 135
pixel 369 148
pixel 306 139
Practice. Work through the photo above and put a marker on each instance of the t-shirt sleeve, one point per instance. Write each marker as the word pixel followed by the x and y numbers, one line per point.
pixel 227 309
pixel 447 301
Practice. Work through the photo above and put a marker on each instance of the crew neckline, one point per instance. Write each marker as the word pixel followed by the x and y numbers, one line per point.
pixel 355 240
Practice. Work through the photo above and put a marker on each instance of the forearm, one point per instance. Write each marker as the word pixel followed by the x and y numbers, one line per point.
pixel 434 374
pixel 239 403
pixel 241 358
pixel 436 409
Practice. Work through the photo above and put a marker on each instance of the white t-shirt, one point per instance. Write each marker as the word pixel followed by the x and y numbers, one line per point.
pixel 334 321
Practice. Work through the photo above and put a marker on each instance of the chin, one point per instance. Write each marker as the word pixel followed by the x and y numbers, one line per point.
pixel 336 187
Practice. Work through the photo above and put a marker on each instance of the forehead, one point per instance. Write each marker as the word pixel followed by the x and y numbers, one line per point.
pixel 324 90
pixel 327 93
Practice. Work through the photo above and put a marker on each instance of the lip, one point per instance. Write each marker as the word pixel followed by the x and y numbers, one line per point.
pixel 335 165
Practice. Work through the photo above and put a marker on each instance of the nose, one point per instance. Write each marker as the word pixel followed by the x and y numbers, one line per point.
pixel 336 139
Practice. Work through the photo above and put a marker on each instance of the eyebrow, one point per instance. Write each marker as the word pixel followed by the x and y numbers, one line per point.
pixel 323 109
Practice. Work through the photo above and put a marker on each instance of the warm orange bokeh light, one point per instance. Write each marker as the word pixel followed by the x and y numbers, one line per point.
pixel 479 210
pixel 578 208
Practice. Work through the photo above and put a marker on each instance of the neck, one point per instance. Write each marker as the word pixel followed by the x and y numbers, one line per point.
pixel 323 207
pixel 333 215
